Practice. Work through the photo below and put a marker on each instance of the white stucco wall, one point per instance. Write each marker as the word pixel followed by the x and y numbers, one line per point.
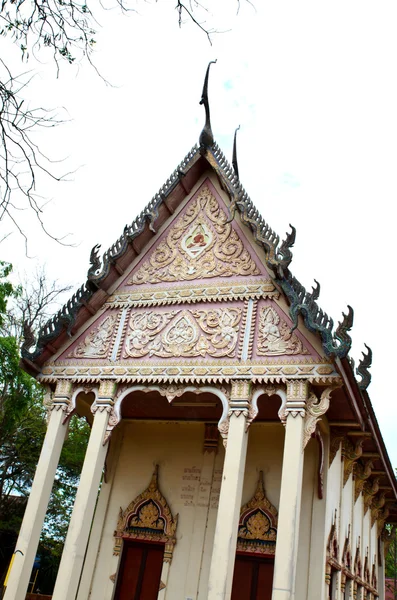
pixel 178 449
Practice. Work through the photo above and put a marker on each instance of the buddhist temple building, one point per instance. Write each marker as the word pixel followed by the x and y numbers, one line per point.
pixel 234 452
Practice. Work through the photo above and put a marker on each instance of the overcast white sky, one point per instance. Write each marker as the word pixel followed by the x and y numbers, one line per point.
pixel 312 85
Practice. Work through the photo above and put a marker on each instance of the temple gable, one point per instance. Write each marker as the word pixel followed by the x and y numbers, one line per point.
pixel 200 244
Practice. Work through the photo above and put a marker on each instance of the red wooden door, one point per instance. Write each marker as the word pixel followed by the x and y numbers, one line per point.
pixel 140 571
pixel 253 578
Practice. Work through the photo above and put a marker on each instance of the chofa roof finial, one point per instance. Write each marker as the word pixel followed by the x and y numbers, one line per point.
pixel 206 138
pixel 363 369
pixel 234 159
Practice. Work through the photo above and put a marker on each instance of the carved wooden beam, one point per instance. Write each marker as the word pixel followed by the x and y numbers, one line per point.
pixel 382 518
pixel 377 504
pixel 361 474
pixel 371 488
pixel 337 436
pixel 351 453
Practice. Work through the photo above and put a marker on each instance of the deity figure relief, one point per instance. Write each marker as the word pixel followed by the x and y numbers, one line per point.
pixel 97 343
pixel 275 337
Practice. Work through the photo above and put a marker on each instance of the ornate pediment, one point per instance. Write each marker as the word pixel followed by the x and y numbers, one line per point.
pixel 148 517
pixel 257 531
pixel 201 244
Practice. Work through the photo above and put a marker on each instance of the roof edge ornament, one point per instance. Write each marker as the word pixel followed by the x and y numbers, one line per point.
pixel 206 138
pixel 234 159
pixel 95 262
pixel 363 369
pixel 316 320
pixel 284 252
pixel 341 333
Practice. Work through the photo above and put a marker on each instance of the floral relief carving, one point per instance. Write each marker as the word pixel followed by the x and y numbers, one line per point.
pixel 148 517
pixel 183 333
pixel 97 343
pixel 200 245
pixel 275 336
pixel 257 530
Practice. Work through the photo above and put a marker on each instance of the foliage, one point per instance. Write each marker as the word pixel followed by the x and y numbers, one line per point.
pixel 65 29
pixel 23 426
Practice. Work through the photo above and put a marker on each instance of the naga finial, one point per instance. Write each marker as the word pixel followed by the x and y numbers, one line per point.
pixel 363 369
pixel 206 138
pixel 95 261
pixel 341 333
pixel 29 339
pixel 316 290
pixel 284 252
pixel 234 159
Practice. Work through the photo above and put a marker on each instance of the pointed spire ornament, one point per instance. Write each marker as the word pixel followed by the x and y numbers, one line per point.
pixel 206 138
pixel 234 159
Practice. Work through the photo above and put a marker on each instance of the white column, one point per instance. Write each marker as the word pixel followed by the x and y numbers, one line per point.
pixel 290 493
pixel 101 511
pixel 29 534
pixel 201 512
pixel 80 523
pixel 225 540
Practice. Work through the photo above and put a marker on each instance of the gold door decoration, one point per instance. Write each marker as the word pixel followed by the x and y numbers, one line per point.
pixel 148 517
pixel 332 560
pixel 183 333
pixel 275 336
pixel 257 531
pixel 97 343
pixel 200 245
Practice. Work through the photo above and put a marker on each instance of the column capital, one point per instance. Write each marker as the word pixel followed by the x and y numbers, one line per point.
pixel 106 395
pixel 62 395
pixel 240 403
pixel 297 395
pixel 240 397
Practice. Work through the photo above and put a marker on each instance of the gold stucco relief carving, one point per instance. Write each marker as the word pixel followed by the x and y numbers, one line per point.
pixel 148 517
pixel 257 530
pixel 185 333
pixel 275 336
pixel 200 245
pixel 97 343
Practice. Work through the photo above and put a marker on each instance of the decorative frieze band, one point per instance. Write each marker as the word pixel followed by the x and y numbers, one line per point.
pixel 174 372
pixel 194 293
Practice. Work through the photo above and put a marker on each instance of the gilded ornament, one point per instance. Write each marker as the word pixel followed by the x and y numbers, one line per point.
pixel 332 560
pixel 361 473
pixel 350 455
pixel 257 530
pixel 371 488
pixel 200 245
pixel 275 336
pixel 148 517
pixel 97 343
